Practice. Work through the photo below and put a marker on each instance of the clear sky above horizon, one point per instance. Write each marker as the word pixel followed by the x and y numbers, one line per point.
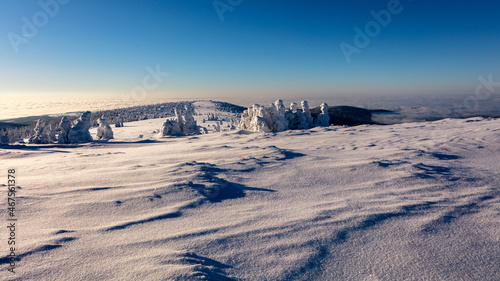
pixel 255 48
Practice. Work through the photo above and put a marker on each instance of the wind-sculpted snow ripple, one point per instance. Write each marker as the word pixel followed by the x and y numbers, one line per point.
pixel 207 182
pixel 360 203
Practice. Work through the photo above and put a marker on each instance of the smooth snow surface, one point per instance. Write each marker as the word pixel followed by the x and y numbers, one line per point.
pixel 416 201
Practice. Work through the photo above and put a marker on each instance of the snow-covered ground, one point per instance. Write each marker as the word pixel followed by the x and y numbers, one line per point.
pixel 415 201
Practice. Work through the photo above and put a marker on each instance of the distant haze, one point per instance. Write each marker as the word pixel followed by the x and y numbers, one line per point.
pixel 409 108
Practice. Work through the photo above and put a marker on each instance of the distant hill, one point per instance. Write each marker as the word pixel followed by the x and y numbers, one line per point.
pixel 346 115
pixel 229 107
pixel 8 125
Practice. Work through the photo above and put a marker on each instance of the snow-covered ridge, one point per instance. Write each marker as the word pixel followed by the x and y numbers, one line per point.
pixel 45 131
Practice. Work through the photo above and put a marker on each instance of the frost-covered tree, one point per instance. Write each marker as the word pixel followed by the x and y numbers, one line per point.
pixel 39 135
pixel 104 131
pixel 189 125
pixel 276 118
pixel 261 119
pixel 277 114
pixel 255 119
pixel 183 122
pixel 52 133
pixel 293 116
pixel 118 121
pixel 64 127
pixel 323 119
pixel 79 133
pixel 307 121
pixel 170 128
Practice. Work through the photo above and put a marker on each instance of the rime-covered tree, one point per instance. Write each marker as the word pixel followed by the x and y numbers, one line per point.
pixel 276 118
pixel 189 124
pixel 323 119
pixel 170 128
pixel 64 127
pixel 52 133
pixel 280 123
pixel 118 121
pixel 79 133
pixel 293 115
pixel 104 131
pixel 183 122
pixel 255 119
pixel 307 121
pixel 39 135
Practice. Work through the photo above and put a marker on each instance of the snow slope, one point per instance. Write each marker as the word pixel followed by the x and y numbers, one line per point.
pixel 416 201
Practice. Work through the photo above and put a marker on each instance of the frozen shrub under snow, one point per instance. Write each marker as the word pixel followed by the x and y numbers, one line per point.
pixel 80 132
pixel 104 132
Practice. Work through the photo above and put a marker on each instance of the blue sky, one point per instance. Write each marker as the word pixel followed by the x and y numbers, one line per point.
pixel 261 48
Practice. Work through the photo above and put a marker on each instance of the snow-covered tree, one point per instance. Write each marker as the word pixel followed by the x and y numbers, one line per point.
pixel 39 135
pixel 293 115
pixel 189 124
pixel 276 118
pixel 323 119
pixel 104 132
pixel 52 133
pixel 307 121
pixel 277 114
pixel 255 119
pixel 261 119
pixel 64 127
pixel 79 133
pixel 169 128
pixel 183 123
pixel 118 121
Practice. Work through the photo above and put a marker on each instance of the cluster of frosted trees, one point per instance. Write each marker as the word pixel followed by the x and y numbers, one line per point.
pixel 183 122
pixel 274 118
pixel 69 132
pixel 277 118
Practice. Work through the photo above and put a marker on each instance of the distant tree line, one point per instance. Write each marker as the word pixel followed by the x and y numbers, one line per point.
pixel 114 117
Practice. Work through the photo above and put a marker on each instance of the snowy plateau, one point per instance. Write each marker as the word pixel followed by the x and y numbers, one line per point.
pixel 411 201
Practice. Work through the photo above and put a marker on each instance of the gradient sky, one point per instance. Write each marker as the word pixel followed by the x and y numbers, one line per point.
pixel 261 48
